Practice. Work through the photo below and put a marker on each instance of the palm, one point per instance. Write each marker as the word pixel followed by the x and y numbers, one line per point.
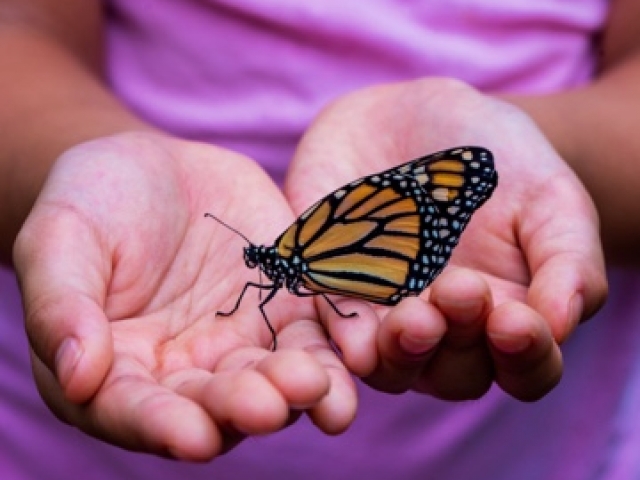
pixel 525 246
pixel 141 264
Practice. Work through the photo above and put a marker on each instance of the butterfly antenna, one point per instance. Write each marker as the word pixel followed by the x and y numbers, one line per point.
pixel 228 226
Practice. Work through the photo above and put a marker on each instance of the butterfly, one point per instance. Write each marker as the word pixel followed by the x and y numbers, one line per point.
pixel 380 238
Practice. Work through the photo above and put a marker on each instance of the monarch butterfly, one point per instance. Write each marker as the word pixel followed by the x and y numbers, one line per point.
pixel 380 238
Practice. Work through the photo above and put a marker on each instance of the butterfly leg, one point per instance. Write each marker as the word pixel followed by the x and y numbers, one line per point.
pixel 296 291
pixel 272 294
pixel 244 290
pixel 335 309
pixel 274 290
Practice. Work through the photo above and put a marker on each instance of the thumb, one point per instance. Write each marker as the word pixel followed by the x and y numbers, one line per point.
pixel 564 251
pixel 58 266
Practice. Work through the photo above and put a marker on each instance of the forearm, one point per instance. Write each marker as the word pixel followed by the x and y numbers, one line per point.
pixel 52 99
pixel 595 129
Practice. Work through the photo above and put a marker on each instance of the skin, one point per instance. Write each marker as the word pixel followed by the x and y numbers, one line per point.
pixel 537 275
pixel 140 304
pixel 121 276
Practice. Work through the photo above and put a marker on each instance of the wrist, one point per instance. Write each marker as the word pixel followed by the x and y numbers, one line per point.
pixel 551 115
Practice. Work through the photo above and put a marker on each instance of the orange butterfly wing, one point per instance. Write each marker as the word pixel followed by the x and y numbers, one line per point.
pixel 386 236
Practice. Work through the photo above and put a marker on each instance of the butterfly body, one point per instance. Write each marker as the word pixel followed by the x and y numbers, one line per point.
pixel 382 237
pixel 277 269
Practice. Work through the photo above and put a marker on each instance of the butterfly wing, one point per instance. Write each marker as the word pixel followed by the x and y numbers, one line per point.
pixel 388 235
pixel 457 183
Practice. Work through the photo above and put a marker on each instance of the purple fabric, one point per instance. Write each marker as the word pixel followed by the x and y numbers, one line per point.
pixel 250 75
pixel 587 428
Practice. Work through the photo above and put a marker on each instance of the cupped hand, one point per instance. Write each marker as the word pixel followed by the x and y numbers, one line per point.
pixel 122 276
pixel 528 268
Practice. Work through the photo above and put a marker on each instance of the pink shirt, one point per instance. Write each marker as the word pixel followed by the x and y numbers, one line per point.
pixel 250 75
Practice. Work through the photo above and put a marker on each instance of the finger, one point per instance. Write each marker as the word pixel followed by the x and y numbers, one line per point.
pixel 336 409
pixel 564 253
pixel 62 291
pixel 254 392
pixel 406 340
pixel 566 290
pixel 527 360
pixel 241 402
pixel 354 333
pixel 462 367
pixel 299 378
pixel 134 412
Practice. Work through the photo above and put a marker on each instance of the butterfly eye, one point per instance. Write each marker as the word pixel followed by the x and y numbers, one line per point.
pixel 251 257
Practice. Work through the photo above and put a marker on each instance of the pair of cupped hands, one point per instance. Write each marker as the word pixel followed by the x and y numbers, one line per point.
pixel 122 276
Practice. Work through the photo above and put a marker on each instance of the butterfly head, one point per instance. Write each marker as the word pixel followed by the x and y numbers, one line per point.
pixel 261 256
pixel 252 256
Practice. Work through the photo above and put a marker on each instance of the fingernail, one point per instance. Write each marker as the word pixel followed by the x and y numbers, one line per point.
pixel 465 312
pixel 67 358
pixel 417 346
pixel 576 307
pixel 510 343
